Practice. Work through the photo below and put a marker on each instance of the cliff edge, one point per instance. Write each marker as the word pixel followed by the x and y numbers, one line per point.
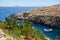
pixel 47 15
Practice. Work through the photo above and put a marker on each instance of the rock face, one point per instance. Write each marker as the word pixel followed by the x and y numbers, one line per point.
pixel 2 35
pixel 47 15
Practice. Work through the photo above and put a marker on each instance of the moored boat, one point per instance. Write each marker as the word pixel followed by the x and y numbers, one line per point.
pixel 48 30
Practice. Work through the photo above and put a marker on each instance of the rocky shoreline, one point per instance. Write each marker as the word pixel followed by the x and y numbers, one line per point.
pixel 47 15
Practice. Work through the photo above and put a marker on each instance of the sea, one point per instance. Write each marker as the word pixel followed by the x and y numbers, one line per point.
pixel 6 11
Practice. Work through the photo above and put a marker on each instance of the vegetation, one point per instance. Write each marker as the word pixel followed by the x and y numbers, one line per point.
pixel 2 25
pixel 11 23
pixel 57 38
pixel 15 28
pixel 24 28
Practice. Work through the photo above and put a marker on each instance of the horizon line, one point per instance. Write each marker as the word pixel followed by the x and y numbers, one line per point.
pixel 30 6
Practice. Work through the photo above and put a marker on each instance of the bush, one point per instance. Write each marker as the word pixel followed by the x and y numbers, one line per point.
pixel 15 32
pixel 57 38
pixel 2 26
pixel 39 34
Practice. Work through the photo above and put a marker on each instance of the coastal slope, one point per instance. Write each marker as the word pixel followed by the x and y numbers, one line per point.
pixel 47 15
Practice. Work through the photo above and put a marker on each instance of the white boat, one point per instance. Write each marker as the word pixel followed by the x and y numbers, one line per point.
pixel 48 30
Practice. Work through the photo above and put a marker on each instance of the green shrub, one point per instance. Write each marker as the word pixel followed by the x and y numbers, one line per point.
pixel 15 32
pixel 39 34
pixel 57 38
pixel 2 26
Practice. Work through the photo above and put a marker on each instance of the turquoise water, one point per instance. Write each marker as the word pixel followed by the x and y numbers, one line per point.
pixel 52 34
pixel 6 11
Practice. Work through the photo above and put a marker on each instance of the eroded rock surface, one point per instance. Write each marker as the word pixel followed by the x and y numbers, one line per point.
pixel 47 15
pixel 2 35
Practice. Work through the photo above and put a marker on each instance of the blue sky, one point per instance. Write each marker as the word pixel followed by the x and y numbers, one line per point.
pixel 28 2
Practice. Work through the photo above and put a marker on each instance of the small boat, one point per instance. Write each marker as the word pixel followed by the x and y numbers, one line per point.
pixel 48 30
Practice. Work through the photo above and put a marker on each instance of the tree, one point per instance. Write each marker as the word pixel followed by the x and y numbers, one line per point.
pixel 11 23
pixel 26 27
pixel 28 31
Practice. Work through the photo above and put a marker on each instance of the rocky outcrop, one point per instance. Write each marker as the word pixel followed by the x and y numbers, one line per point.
pixel 47 15
pixel 2 35
pixel 6 36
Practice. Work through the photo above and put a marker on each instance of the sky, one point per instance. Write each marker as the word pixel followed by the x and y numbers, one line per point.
pixel 29 2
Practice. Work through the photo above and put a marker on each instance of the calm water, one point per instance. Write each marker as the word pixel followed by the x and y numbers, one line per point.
pixel 6 11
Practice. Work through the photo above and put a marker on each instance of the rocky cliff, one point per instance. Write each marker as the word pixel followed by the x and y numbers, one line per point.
pixel 47 15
